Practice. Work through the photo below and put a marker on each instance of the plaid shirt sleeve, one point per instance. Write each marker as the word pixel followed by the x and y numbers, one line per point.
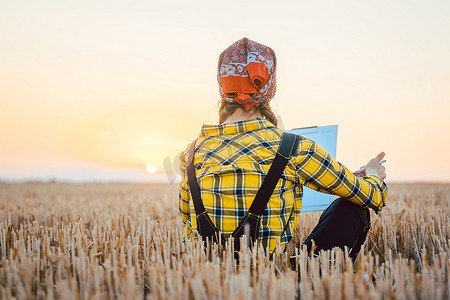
pixel 183 190
pixel 318 170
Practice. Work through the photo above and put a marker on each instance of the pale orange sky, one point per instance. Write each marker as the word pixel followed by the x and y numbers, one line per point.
pixel 118 84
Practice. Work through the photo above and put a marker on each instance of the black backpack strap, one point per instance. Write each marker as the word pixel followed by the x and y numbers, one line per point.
pixel 205 227
pixel 288 148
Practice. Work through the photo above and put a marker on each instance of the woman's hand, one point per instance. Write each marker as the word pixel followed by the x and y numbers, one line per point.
pixel 374 168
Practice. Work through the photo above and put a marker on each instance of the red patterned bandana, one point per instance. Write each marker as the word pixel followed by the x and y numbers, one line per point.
pixel 246 73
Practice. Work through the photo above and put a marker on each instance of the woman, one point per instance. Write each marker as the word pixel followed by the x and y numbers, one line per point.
pixel 232 159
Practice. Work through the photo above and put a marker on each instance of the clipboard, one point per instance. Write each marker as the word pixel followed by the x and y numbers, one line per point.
pixel 326 137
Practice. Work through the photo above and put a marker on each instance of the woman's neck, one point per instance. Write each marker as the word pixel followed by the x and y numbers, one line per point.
pixel 242 115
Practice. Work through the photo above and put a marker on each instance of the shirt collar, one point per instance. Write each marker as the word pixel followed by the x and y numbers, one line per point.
pixel 235 128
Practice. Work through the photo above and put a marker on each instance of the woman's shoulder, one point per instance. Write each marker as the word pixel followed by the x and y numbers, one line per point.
pixel 268 138
pixel 184 156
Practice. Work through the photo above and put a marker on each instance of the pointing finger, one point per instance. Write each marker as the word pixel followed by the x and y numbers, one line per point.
pixel 380 156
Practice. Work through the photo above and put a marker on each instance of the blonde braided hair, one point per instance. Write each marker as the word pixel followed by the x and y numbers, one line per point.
pixel 226 109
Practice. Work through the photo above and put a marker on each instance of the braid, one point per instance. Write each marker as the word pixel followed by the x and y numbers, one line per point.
pixel 268 114
pixel 226 109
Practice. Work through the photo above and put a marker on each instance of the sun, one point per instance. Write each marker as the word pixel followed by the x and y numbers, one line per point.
pixel 151 169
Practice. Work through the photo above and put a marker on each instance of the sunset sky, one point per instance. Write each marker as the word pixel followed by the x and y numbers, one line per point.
pixel 112 86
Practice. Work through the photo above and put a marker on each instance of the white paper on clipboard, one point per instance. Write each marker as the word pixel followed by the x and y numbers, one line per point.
pixel 326 137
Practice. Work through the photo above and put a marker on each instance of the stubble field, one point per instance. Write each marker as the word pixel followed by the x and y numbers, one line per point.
pixel 123 241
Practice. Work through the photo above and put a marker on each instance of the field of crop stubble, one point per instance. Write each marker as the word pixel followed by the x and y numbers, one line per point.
pixel 116 241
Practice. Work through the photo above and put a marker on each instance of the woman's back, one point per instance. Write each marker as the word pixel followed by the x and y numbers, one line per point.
pixel 231 162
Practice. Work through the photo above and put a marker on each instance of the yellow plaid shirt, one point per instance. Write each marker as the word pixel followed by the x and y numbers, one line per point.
pixel 231 161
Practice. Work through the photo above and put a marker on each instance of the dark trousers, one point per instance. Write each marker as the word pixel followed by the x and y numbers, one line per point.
pixel 343 223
